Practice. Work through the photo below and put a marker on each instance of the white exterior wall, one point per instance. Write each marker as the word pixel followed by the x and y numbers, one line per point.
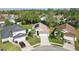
pixel 69 38
pixel 2 22
pixel 20 39
pixel 15 33
pixel 7 39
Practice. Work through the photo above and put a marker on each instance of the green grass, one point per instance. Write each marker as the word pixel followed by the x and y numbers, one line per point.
pixel 77 44
pixel 33 40
pixel 27 26
pixel 10 47
pixel 54 40
pixel 1 44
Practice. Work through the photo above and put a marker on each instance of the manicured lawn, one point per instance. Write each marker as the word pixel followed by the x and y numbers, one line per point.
pixel 54 40
pixel 27 26
pixel 10 47
pixel 77 41
pixel 33 40
pixel 1 45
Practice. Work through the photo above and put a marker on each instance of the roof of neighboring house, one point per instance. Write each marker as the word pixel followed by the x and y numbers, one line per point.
pixel 67 27
pixel 42 28
pixel 8 31
pixel 58 16
pixel 17 28
pixel 2 18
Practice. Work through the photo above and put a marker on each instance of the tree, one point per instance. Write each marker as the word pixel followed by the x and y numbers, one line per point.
pixel 8 23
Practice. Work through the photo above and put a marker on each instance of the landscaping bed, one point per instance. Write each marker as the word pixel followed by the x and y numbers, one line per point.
pixel 55 40
pixel 10 47
pixel 33 40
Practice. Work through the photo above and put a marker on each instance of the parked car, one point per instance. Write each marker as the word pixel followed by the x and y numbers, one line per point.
pixel 22 44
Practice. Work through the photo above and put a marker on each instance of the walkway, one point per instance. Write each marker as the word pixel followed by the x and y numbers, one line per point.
pixel 28 46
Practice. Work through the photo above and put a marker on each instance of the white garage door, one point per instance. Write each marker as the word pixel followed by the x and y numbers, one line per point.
pixel 20 39
pixel 68 38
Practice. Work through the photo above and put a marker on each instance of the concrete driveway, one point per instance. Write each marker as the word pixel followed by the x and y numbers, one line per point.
pixel 44 39
pixel 70 46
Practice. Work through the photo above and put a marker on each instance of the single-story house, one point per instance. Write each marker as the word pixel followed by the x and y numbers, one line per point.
pixel 69 32
pixel 14 33
pixel 10 17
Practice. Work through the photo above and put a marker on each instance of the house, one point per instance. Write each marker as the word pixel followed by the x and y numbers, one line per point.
pixel 69 35
pixel 1 19
pixel 58 16
pixel 12 17
pixel 69 31
pixel 19 33
pixel 14 33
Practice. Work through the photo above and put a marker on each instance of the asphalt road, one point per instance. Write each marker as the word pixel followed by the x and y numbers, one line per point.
pixel 49 48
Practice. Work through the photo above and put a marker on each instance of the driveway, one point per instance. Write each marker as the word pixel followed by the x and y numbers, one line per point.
pixel 69 46
pixel 44 39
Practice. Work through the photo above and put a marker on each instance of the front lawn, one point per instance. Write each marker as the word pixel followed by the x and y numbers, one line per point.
pixel 55 40
pixel 33 39
pixel 77 41
pixel 10 47
pixel 1 45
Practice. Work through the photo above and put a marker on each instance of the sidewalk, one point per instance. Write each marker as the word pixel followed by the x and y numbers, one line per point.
pixel 28 46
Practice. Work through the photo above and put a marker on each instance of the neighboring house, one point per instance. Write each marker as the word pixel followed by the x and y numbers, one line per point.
pixel 14 33
pixel 1 19
pixel 58 16
pixel 74 22
pixel 43 18
pixel 69 36
pixel 12 17
pixel 69 32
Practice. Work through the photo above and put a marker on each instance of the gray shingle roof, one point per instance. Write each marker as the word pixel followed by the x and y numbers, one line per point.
pixel 16 28
pixel 7 31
